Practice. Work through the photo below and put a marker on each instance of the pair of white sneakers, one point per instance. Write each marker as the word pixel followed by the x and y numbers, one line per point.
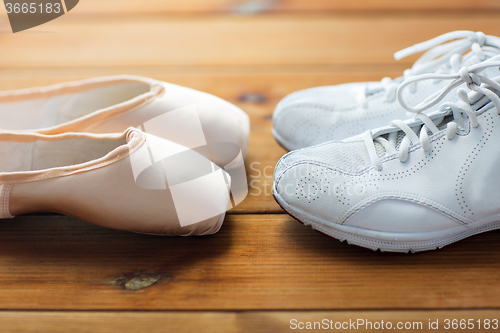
pixel 123 152
pixel 414 185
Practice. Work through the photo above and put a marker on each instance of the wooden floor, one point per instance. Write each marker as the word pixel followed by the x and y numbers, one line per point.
pixel 263 269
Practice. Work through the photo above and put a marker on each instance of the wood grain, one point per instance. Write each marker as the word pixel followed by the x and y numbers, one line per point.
pixel 255 90
pixel 256 262
pixel 58 274
pixel 263 6
pixel 229 41
pixel 224 322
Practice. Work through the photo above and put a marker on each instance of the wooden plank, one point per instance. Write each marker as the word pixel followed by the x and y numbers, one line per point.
pixel 256 91
pixel 263 6
pixel 222 322
pixel 256 262
pixel 232 83
pixel 229 41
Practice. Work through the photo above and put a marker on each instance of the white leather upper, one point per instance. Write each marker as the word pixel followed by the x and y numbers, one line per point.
pixel 312 116
pixel 455 182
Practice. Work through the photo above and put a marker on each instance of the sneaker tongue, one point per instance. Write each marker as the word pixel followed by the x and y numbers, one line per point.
pixel 373 89
pixel 442 119
pixel 380 148
pixel 491 50
pixel 479 100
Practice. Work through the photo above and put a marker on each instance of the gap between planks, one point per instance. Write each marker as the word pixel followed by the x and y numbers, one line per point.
pixel 255 262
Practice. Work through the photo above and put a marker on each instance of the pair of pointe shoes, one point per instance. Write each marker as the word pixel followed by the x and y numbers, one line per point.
pixel 123 152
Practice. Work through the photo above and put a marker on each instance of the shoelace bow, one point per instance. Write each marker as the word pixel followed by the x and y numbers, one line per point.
pixel 436 56
pixel 460 111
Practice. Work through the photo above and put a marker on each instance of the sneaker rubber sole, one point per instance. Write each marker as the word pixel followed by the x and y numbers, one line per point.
pixel 388 241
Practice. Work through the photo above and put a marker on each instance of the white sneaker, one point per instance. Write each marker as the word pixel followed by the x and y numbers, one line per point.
pixel 412 186
pixel 312 116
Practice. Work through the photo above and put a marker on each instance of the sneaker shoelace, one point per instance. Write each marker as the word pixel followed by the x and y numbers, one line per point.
pixel 460 111
pixel 444 53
